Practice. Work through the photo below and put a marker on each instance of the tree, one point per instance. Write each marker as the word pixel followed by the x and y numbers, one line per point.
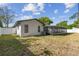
pixel 76 23
pixel 75 15
pixel 45 20
pixel 62 24
pixel 6 15
pixel 70 26
pixel 1 25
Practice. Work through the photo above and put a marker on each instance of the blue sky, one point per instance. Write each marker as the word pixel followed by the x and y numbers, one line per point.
pixel 55 11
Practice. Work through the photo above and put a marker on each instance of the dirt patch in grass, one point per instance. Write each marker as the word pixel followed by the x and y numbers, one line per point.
pixel 54 45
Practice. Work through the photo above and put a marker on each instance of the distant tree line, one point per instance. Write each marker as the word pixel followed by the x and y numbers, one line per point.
pixel 70 26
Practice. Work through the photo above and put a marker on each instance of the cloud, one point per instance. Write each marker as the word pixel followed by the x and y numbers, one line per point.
pixel 6 5
pixel 34 8
pixel 56 11
pixel 50 5
pixel 36 13
pixel 66 11
pixel 29 7
pixel 53 17
pixel 3 4
pixel 41 6
pixel 25 17
pixel 62 18
pixel 68 6
pixel 16 15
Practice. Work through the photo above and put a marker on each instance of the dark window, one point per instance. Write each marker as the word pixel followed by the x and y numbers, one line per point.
pixel 38 28
pixel 26 29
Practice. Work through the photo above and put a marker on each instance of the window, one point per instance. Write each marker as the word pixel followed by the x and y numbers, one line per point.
pixel 26 29
pixel 38 28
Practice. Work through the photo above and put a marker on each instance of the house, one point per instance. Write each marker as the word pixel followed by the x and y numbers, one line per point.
pixel 28 27
pixel 32 27
pixel 55 30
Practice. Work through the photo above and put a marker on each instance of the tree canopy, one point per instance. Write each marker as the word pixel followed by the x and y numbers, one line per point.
pixel 45 20
pixel 6 16
pixel 62 24
pixel 75 23
pixel 75 15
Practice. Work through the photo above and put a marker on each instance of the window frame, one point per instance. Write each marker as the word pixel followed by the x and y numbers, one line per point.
pixel 26 29
pixel 39 28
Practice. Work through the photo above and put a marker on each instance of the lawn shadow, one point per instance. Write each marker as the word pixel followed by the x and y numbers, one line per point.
pixel 59 34
pixel 65 34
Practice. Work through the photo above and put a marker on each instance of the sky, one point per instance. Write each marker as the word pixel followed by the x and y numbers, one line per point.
pixel 57 12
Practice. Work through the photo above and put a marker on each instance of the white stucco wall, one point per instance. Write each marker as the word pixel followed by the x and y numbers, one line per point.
pixel 18 30
pixel 32 28
pixel 74 30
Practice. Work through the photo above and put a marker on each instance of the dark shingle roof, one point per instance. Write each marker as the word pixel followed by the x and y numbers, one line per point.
pixel 18 22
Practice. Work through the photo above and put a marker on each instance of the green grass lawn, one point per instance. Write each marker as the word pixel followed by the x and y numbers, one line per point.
pixel 11 45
